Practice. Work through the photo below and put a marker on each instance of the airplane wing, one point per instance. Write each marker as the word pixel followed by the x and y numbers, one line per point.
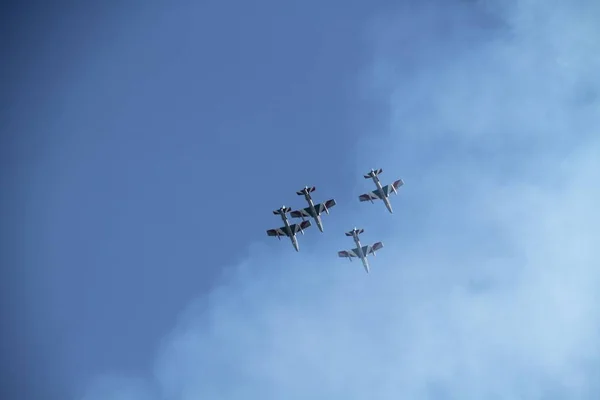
pixel 304 224
pixel 369 196
pixel 304 213
pixel 300 227
pixel 295 228
pixel 277 232
pixel 388 189
pixel 326 205
pixel 346 254
pixel 367 250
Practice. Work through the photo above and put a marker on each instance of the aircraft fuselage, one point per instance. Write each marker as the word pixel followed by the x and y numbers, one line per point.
pixel 363 256
pixel 382 195
pixel 289 230
pixel 313 210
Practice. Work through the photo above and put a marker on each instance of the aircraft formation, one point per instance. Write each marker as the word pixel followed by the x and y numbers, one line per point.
pixel 315 211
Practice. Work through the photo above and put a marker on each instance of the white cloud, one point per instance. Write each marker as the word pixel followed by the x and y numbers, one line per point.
pixel 488 286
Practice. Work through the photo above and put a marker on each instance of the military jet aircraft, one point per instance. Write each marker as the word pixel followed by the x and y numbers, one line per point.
pixel 360 251
pixel 287 229
pixel 382 192
pixel 312 210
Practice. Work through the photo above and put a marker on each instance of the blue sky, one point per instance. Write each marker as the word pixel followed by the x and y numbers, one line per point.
pixel 145 148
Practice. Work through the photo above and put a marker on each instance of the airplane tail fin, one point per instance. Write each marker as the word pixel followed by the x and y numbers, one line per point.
pixel 282 210
pixel 306 190
pixel 373 173
pixel 351 233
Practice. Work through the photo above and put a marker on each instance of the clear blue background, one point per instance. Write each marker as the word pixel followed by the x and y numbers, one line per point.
pixel 144 148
